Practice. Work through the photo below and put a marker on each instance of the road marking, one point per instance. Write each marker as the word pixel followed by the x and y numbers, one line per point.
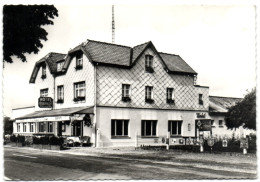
pixel 6 178
pixel 25 156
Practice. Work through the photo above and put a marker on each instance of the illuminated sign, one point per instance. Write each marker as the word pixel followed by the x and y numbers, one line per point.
pixel 45 102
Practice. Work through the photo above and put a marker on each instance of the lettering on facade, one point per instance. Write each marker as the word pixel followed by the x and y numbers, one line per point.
pixel 45 102
pixel 201 115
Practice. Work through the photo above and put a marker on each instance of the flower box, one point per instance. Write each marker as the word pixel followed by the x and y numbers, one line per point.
pixel 170 101
pixel 149 69
pixel 79 99
pixel 60 101
pixel 150 101
pixel 126 99
pixel 43 76
pixel 78 67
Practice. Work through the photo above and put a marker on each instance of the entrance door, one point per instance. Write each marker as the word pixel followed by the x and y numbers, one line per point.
pixel 77 129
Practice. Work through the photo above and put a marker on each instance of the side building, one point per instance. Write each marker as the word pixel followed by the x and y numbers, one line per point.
pixel 113 93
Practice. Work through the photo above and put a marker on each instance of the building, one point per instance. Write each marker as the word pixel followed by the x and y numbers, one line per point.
pixel 218 107
pixel 113 93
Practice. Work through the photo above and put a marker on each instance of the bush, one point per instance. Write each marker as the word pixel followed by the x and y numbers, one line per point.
pixel 28 140
pixel 36 140
pixel 21 139
pixel 44 140
pixel 13 138
pixel 56 141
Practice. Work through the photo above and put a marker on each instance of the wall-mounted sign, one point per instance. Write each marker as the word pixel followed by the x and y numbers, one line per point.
pixel 204 125
pixel 45 102
pixel 201 115
pixel 55 118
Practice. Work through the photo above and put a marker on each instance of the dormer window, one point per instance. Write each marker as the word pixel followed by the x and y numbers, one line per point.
pixel 79 61
pixel 170 96
pixel 149 63
pixel 44 92
pixel 43 72
pixel 60 66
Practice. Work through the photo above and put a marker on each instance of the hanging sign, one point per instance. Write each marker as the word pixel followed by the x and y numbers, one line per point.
pixel 204 125
pixel 45 102
pixel 244 143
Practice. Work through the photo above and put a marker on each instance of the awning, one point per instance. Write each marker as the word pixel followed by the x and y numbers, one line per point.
pixel 58 112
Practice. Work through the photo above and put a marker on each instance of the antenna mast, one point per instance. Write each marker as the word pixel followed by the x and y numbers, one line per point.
pixel 113 25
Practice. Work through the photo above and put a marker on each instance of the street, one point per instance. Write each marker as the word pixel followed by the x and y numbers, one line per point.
pixel 28 164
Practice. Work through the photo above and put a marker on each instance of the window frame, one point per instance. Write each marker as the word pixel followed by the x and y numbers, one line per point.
pixel 42 94
pixel 170 127
pixel 213 123
pixel 79 98
pixel 43 127
pixel 18 127
pixel 79 61
pixel 153 131
pixel 60 65
pixel 149 93
pixel 200 99
pixel 50 127
pixel 114 127
pixel 44 71
pixel 221 125
pixel 24 127
pixel 125 97
pixel 60 94
pixel 31 127
pixel 170 92
pixel 149 63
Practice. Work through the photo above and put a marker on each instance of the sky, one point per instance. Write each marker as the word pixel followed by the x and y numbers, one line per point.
pixel 218 42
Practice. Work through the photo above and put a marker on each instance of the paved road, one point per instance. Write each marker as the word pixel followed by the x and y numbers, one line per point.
pixel 25 164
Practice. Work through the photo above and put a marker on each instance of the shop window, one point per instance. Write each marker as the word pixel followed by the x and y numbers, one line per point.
pixel 60 66
pixel 50 127
pixel 79 91
pixel 18 127
pixel 149 94
pixel 149 128
pixel 41 127
pixel 31 127
pixel 200 99
pixel 170 95
pixel 119 127
pixel 44 92
pixel 221 123
pixel 43 71
pixel 79 61
pixel 63 127
pixel 149 64
pixel 126 93
pixel 60 94
pixel 175 127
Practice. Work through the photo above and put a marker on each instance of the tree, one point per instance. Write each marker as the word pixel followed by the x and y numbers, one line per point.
pixel 243 113
pixel 22 29
pixel 8 126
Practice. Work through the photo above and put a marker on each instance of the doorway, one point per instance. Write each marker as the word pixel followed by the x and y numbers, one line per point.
pixel 77 129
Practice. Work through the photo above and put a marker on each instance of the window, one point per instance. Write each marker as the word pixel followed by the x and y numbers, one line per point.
pixel 149 128
pixel 119 127
pixel 126 92
pixel 31 127
pixel 200 99
pixel 212 123
pixel 18 127
pixel 41 127
pixel 43 72
pixel 149 63
pixel 79 61
pixel 221 123
pixel 60 94
pixel 189 127
pixel 149 94
pixel 50 126
pixel 24 127
pixel 60 65
pixel 175 127
pixel 44 92
pixel 79 91
pixel 170 96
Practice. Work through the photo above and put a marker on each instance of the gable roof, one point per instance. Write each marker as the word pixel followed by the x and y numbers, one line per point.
pixel 113 55
pixel 176 64
pixel 221 104
pixel 50 60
